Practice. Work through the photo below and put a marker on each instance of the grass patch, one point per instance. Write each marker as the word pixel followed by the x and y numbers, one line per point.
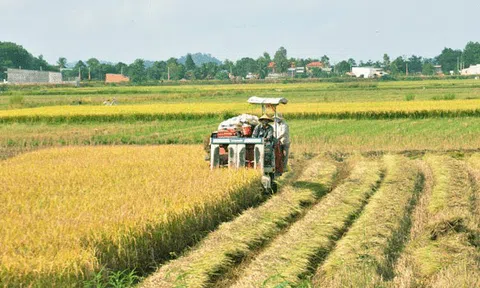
pixel 16 101
pixel 409 97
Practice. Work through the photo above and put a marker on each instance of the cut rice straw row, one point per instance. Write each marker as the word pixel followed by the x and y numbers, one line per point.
pixel 235 240
pixel 292 255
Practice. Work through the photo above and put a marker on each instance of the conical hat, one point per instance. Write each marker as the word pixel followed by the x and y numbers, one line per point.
pixel 266 117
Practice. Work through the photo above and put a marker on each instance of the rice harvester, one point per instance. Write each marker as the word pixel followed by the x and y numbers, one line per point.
pixel 234 147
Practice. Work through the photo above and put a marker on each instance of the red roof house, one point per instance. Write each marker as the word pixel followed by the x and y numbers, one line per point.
pixel 116 78
pixel 272 66
pixel 315 65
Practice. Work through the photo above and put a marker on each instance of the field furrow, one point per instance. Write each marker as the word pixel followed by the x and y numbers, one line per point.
pixel 234 240
pixel 442 251
pixel 294 254
pixel 364 257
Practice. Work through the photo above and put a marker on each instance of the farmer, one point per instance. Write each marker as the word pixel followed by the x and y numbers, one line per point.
pixel 264 130
pixel 283 136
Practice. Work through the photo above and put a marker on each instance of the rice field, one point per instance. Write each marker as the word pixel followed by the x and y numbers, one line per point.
pixel 354 91
pixel 382 192
pixel 390 221
pixel 192 111
pixel 67 213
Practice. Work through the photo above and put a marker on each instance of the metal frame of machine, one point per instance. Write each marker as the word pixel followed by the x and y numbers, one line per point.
pixel 247 152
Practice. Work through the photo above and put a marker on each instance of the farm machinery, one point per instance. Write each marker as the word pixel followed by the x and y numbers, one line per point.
pixel 233 146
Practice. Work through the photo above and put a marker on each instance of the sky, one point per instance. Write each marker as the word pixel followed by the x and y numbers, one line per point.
pixel 124 30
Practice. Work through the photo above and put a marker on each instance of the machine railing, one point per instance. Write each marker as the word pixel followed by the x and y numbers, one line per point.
pixel 239 152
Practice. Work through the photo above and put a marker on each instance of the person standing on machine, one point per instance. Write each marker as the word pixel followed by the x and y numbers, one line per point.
pixel 282 132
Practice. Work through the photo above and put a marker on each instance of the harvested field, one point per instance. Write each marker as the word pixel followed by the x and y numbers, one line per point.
pixel 417 227
pixel 365 256
pixel 306 242
pixel 236 240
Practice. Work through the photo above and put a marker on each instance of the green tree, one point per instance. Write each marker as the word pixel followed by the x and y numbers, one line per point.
pixel 386 61
pixel 62 62
pixel 15 56
pixel 105 68
pixel 121 68
pixel 262 65
pixel 229 66
pixel 342 67
pixel 93 65
pixel 157 71
pixel 281 60
pixel 352 62
pixel 177 70
pixel 325 60
pixel 319 73
pixel 449 59
pixel 471 54
pixel 245 66
pixel 415 64
pixel 189 63
pixel 211 70
pixel 81 70
pixel 222 75
pixel 267 56
pixel 428 69
pixel 137 71
pixel 398 66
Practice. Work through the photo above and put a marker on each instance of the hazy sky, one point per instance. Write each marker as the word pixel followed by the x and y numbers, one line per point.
pixel 123 30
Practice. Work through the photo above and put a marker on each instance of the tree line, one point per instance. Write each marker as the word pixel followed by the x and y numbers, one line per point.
pixel 15 56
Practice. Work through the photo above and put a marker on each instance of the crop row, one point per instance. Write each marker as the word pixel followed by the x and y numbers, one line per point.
pixel 443 249
pixel 68 213
pixel 366 255
pixel 419 229
pixel 292 255
pixel 235 240
pixel 183 111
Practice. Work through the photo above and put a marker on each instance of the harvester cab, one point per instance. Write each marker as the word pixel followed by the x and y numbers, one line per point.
pixel 233 146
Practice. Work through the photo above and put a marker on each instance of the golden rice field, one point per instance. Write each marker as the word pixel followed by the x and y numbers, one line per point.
pixel 392 109
pixel 387 221
pixel 72 215
pixel 67 213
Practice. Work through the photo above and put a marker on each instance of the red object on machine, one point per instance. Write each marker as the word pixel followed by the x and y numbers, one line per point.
pixel 278 158
pixel 229 132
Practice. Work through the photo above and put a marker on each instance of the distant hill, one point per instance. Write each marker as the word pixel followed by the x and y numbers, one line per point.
pixel 200 58
pixel 148 63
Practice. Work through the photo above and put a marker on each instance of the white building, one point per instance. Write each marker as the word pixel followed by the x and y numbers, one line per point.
pixel 472 70
pixel 367 72
pixel 251 76
pixel 19 76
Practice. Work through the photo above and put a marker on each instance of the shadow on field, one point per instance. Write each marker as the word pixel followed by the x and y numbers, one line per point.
pixel 317 188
